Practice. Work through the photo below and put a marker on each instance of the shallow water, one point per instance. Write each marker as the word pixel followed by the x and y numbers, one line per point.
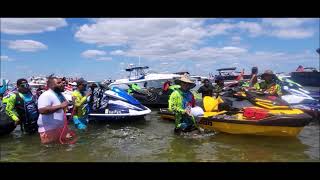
pixel 153 139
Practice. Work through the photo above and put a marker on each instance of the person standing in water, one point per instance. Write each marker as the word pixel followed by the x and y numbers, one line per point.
pixel 21 107
pixel 52 105
pixel 180 102
pixel 80 117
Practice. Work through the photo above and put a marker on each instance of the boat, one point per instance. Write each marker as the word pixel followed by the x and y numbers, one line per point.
pixel 114 104
pixel 309 77
pixel 264 117
pixel 230 75
pixel 37 81
pixel 139 75
pixel 152 93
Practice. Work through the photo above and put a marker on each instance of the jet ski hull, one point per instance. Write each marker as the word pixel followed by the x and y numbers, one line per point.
pixel 277 125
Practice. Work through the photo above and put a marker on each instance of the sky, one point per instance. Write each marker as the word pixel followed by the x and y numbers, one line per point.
pixel 101 48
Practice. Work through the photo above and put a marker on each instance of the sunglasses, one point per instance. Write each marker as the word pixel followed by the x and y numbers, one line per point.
pixel 25 85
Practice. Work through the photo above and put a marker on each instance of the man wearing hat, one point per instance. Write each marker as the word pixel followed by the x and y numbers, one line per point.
pixel 180 102
pixel 269 85
pixel 80 117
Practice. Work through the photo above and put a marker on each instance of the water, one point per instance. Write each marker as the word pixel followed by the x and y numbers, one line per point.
pixel 153 140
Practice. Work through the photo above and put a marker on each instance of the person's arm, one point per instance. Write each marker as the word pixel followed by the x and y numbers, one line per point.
pixel 200 89
pixel 10 106
pixel 278 90
pixel 78 100
pixel 257 86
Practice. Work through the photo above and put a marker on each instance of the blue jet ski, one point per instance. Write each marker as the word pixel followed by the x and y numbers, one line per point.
pixel 114 104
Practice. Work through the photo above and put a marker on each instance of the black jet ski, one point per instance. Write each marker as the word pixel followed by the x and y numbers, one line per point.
pixel 152 97
pixel 6 124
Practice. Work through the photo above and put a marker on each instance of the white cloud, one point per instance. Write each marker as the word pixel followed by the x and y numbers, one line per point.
pixel 93 53
pixel 289 28
pixel 149 35
pixel 21 26
pixel 236 38
pixel 5 58
pixel 182 39
pixel 104 58
pixel 286 22
pixel 117 52
pixel 293 33
pixel 220 28
pixel 253 28
pixel 26 45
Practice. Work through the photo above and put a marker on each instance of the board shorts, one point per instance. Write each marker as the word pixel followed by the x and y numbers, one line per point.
pixel 51 136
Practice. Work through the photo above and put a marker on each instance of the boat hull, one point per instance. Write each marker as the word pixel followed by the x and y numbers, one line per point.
pixel 306 78
pixel 284 125
pixel 252 129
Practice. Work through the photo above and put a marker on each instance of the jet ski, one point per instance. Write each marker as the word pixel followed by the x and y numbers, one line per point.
pixel 298 97
pixel 265 117
pixel 6 124
pixel 294 94
pixel 152 97
pixel 114 104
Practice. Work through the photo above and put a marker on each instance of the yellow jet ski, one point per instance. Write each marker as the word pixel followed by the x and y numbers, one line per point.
pixel 266 118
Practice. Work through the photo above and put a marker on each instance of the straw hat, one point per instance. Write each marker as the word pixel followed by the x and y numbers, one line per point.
pixel 186 79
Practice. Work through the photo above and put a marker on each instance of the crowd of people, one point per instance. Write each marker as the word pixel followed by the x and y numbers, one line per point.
pixel 45 111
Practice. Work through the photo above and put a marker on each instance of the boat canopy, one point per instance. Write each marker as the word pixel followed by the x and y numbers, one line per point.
pixel 227 69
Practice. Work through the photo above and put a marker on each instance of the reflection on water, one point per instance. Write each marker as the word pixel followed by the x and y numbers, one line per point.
pixel 153 140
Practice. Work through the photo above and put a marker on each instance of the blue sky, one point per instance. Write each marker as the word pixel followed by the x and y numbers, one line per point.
pixel 97 49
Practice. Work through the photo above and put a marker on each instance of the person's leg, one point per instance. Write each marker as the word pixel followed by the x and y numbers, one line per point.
pixel 50 136
pixel 84 122
pixel 80 123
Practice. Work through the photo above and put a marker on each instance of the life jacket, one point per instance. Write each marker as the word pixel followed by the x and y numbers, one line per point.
pixel 188 99
pixel 28 114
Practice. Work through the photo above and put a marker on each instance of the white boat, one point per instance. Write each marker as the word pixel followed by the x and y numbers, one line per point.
pixel 139 76
pixel 37 81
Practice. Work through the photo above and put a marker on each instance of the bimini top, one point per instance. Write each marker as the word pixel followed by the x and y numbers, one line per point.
pixel 227 69
pixel 137 68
